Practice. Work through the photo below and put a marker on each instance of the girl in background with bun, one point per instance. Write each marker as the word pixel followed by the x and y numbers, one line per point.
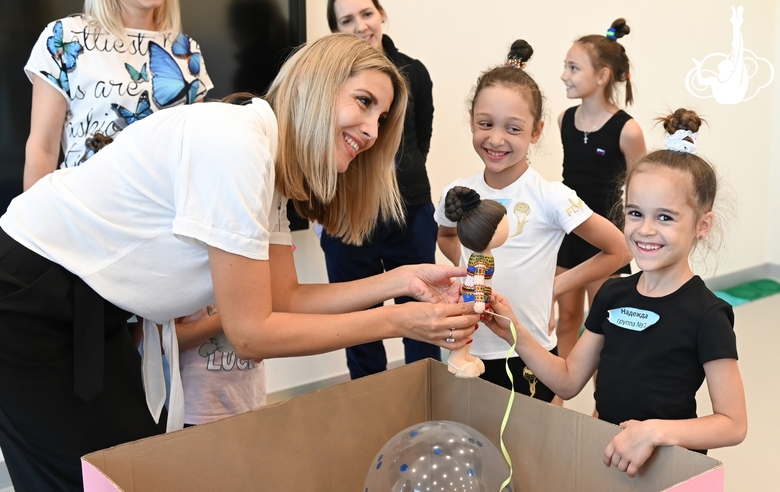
pixel 656 335
pixel 598 139
pixel 506 118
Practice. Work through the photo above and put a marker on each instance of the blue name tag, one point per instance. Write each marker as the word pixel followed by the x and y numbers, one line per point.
pixel 632 318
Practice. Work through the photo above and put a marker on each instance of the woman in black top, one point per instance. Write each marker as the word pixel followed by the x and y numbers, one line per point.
pixel 391 244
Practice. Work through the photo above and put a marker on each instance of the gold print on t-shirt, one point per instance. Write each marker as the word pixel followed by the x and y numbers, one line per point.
pixel 575 206
pixel 522 211
pixel 529 376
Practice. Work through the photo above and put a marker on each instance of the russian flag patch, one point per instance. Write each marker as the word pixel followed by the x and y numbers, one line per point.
pixel 601 152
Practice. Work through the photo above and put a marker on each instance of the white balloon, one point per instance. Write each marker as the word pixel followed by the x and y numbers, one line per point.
pixel 440 456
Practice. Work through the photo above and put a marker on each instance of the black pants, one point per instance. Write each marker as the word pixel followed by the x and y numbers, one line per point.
pixel 389 247
pixel 44 426
pixel 526 382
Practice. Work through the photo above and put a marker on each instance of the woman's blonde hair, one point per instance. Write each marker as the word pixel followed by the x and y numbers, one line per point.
pixel 304 96
pixel 107 15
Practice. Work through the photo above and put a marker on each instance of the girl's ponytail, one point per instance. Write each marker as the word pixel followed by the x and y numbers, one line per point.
pixel 606 52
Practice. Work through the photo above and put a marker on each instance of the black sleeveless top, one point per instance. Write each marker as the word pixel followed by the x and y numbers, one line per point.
pixel 594 170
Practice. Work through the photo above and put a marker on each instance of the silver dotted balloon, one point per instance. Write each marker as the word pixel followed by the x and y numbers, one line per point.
pixel 438 456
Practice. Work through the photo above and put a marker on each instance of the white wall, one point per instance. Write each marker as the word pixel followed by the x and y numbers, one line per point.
pixel 774 220
pixel 457 39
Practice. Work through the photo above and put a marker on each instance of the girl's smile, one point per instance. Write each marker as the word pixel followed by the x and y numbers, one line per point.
pixel 579 76
pixel 503 128
pixel 661 224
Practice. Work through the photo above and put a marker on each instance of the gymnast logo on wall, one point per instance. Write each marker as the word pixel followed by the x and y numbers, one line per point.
pixel 732 78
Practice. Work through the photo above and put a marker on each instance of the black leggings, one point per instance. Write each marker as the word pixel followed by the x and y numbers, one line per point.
pixel 44 426
pixel 525 380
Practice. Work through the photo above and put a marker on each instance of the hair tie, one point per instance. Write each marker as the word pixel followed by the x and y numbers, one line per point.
pixel 677 142
pixel 611 34
pixel 515 62
pixel 628 75
pixel 469 201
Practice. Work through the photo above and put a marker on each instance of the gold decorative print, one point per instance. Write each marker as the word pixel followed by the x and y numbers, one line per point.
pixel 575 206
pixel 522 211
pixel 529 376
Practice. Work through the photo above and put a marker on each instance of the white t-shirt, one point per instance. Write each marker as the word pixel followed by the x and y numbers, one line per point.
pixel 540 214
pixel 111 83
pixel 218 384
pixel 134 220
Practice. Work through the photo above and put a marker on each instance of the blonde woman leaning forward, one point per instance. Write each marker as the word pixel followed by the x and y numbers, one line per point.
pixel 201 218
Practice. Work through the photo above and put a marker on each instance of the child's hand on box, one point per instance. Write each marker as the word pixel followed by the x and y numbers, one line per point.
pixel 632 447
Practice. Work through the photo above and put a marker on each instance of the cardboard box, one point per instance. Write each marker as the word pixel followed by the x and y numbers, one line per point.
pixel 326 441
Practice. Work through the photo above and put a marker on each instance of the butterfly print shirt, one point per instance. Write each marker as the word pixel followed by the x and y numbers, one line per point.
pixel 110 83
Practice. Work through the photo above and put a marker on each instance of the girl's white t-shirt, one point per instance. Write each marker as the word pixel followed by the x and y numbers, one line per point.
pixel 135 220
pixel 110 83
pixel 540 213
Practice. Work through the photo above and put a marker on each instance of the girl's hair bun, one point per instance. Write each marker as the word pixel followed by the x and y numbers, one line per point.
pixel 681 119
pixel 620 27
pixel 521 51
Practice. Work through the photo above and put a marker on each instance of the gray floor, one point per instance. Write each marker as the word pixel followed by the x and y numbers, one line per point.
pixel 5 480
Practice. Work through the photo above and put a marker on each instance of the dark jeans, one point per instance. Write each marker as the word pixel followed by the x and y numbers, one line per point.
pixel 389 247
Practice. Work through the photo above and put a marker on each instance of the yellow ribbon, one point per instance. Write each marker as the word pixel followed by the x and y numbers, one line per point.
pixel 511 401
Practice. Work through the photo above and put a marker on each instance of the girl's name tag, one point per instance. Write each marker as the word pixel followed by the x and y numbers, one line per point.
pixel 632 318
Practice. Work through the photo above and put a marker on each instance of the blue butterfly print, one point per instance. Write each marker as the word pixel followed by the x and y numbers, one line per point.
pixel 168 84
pixel 65 53
pixel 142 110
pixel 62 82
pixel 137 75
pixel 181 49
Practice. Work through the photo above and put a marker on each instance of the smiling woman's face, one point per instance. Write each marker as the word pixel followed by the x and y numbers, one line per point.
pixel 362 103
pixel 361 18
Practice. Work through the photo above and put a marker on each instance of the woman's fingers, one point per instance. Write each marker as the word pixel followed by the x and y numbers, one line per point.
pixel 442 272
pixel 434 283
pixel 446 325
